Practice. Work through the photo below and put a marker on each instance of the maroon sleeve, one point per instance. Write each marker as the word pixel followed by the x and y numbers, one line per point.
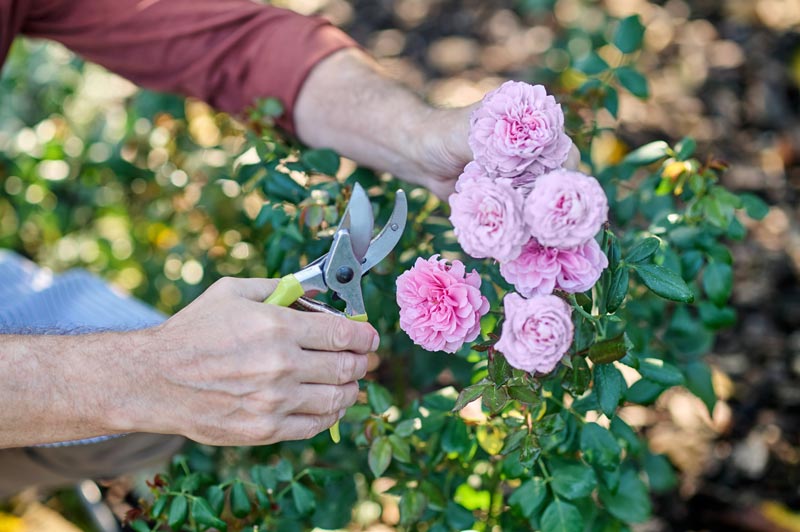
pixel 225 52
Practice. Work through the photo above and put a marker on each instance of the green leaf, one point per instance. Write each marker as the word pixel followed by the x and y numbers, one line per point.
pixel 643 250
pixel 455 437
pixel 412 505
pixel 529 496
pixel 270 107
pixel 629 34
pixel 664 282
pixel 561 516
pixel 458 517
pixel 647 154
pixel 264 476
pixel 525 394
pixel 715 317
pixel 611 101
pixel 203 513
pixel 215 496
pixel 691 262
pixel 660 372
pixel 755 207
pixel 685 148
pixel 718 282
pixel 303 498
pixel 660 474
pixel 495 398
pixel 599 447
pixel 159 506
pixel 380 455
pixel 240 501
pixel 378 397
pixel 469 394
pixel 281 187
pixel 137 526
pixel 698 381
pixel 401 449
pixel 499 369
pixel 644 392
pixel 633 81
pixel 617 289
pixel 572 480
pixel 406 428
pixel 591 64
pixel 284 470
pixel 624 432
pixel 324 161
pixel 609 350
pixel 631 502
pixel 178 511
pixel 610 387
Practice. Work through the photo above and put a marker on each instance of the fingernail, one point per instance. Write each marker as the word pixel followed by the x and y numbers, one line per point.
pixel 376 341
pixel 342 412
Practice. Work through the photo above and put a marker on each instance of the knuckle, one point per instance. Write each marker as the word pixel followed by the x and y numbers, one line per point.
pixel 338 398
pixel 262 433
pixel 341 336
pixel 315 426
pixel 351 396
pixel 282 367
pixel 224 284
pixel 346 368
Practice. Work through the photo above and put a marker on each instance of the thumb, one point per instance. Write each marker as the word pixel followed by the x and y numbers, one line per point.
pixel 573 159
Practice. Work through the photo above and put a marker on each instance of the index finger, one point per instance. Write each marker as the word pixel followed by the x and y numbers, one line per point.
pixel 323 332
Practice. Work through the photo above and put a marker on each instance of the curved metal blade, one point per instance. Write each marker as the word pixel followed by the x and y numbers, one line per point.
pixel 358 220
pixel 390 235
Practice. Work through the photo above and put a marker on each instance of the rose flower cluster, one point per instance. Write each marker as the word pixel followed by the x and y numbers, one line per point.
pixel 516 204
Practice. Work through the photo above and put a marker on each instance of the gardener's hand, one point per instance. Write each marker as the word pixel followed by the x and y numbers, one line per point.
pixel 349 105
pixel 442 151
pixel 231 370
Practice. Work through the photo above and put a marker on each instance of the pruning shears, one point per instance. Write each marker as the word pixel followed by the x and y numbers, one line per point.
pixel 352 253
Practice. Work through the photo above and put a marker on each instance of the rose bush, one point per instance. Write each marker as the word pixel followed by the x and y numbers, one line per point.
pixel 525 429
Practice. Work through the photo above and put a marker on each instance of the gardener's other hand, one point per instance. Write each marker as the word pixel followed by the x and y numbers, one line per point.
pixel 442 151
pixel 347 103
pixel 231 370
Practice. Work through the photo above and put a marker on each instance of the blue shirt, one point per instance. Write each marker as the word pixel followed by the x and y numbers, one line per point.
pixel 34 300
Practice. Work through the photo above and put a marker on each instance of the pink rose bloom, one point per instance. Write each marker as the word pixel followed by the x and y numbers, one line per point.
pixel 518 129
pixel 565 209
pixel 487 218
pixel 537 332
pixel 535 271
pixel 580 267
pixel 440 304
pixel 471 173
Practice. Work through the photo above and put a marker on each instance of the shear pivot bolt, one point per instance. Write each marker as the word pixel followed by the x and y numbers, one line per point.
pixel 344 274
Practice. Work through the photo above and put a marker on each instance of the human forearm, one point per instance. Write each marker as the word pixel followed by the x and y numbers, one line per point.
pixel 349 105
pixel 56 388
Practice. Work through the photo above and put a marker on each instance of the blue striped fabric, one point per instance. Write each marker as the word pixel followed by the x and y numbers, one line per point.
pixel 35 301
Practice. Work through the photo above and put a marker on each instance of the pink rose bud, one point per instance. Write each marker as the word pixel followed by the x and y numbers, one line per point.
pixel 565 209
pixel 537 332
pixel 440 304
pixel 580 267
pixel 535 271
pixel 487 218
pixel 518 129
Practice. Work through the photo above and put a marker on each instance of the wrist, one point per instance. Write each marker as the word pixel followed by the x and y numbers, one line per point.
pixel 124 374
